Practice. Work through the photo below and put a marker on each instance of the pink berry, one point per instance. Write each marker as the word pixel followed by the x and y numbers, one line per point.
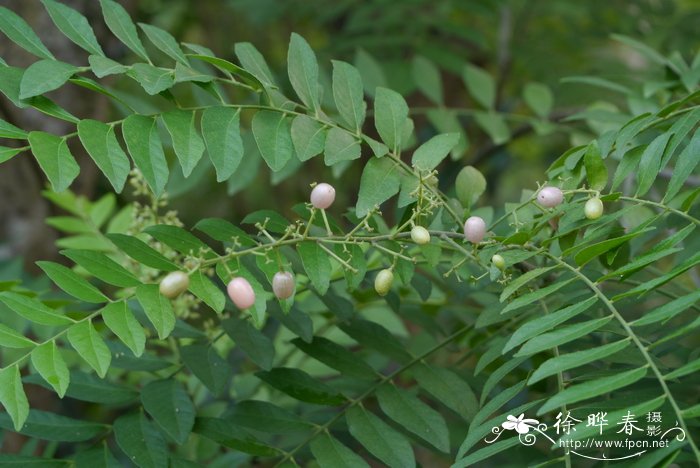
pixel 174 284
pixel 283 284
pixel 549 197
pixel 322 196
pixel 241 293
pixel 474 229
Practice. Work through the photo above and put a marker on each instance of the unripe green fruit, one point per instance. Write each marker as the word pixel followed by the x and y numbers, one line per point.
pixel 549 197
pixel 420 235
pixel 475 229
pixel 382 283
pixel 241 293
pixel 174 284
pixel 283 284
pixel 322 196
pixel 593 208
pixel 498 262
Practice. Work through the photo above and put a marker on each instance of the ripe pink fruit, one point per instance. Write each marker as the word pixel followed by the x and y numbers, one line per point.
pixel 322 196
pixel 549 197
pixel 283 284
pixel 241 293
pixel 474 229
pixel 174 284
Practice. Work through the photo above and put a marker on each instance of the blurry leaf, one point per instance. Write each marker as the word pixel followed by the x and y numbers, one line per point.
pixel 303 72
pixel 596 171
pixel 7 130
pixel 375 336
pixel 44 76
pixel 223 231
pixel 152 79
pixel 146 149
pixel 187 143
pixel 266 417
pixel 90 388
pixel 228 434
pixel 103 66
pixel 380 181
pixel 630 162
pixel 19 32
pixel 316 264
pixel 545 323
pixel 257 346
pixel 54 158
pixel 650 164
pixel 202 287
pixel 337 357
pixel 536 295
pixel 348 94
pixel 447 388
pixel 597 82
pixel 329 453
pixel 340 146
pixel 222 134
pixel 273 221
pixel 668 310
pixel 157 309
pixel 47 360
pixel 412 414
pixel 469 185
pixel 167 402
pixel 494 125
pixel 308 137
pixel 272 134
pixel 480 85
pixel 593 388
pixel 54 427
pixel 390 114
pixel 101 144
pixel 446 121
pixel 227 66
pixel 253 61
pixel 587 254
pixel 33 310
pixel 119 22
pixel 371 72
pixel 142 252
pixel 178 239
pixel 102 267
pixel 8 153
pixel 685 164
pixel 74 25
pixel 140 440
pixel 90 346
pixel 427 77
pixel 301 386
pixel 9 338
pixel 12 395
pixel 561 336
pixel 431 153
pixel 72 283
pixel 380 439
pixel 97 457
pixel 165 42
pixel 641 48
pixel 205 363
pixel 539 98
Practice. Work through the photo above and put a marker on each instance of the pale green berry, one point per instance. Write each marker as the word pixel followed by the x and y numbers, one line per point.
pixel 383 281
pixel 593 208
pixel 420 235
pixel 174 284
pixel 498 261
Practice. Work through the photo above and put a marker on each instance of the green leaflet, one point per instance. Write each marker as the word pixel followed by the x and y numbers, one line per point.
pixel 19 32
pixel 431 153
pixel 90 346
pixel 141 441
pixel 272 135
pixel 102 267
pixel 146 149
pixel 44 76
pixel 202 287
pixel 668 310
pixel 141 252
pixel 535 295
pixel 72 283
pixel 9 338
pixel 316 264
pixel 561 336
pixel 222 134
pixel 480 84
pixel 157 309
pixel 33 309
pixel 121 321
pixel 54 427
pixel 593 388
pixel 308 137
pixel 74 25
pixel 539 98
pixel 257 346
pixel 12 396
pixel 390 116
pixel 301 386
pixel 596 171
pixel 167 402
pixel 348 94
pixel 303 71
pixel 380 181
pixel 165 42
pixel 650 163
pixel 119 22
pixel 152 79
pixel 101 144
pixel 380 439
pixel 329 453
pixel 47 360
pixel 340 146
pixel 54 158
pixel 427 78
pixel 188 145
pixel 337 357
